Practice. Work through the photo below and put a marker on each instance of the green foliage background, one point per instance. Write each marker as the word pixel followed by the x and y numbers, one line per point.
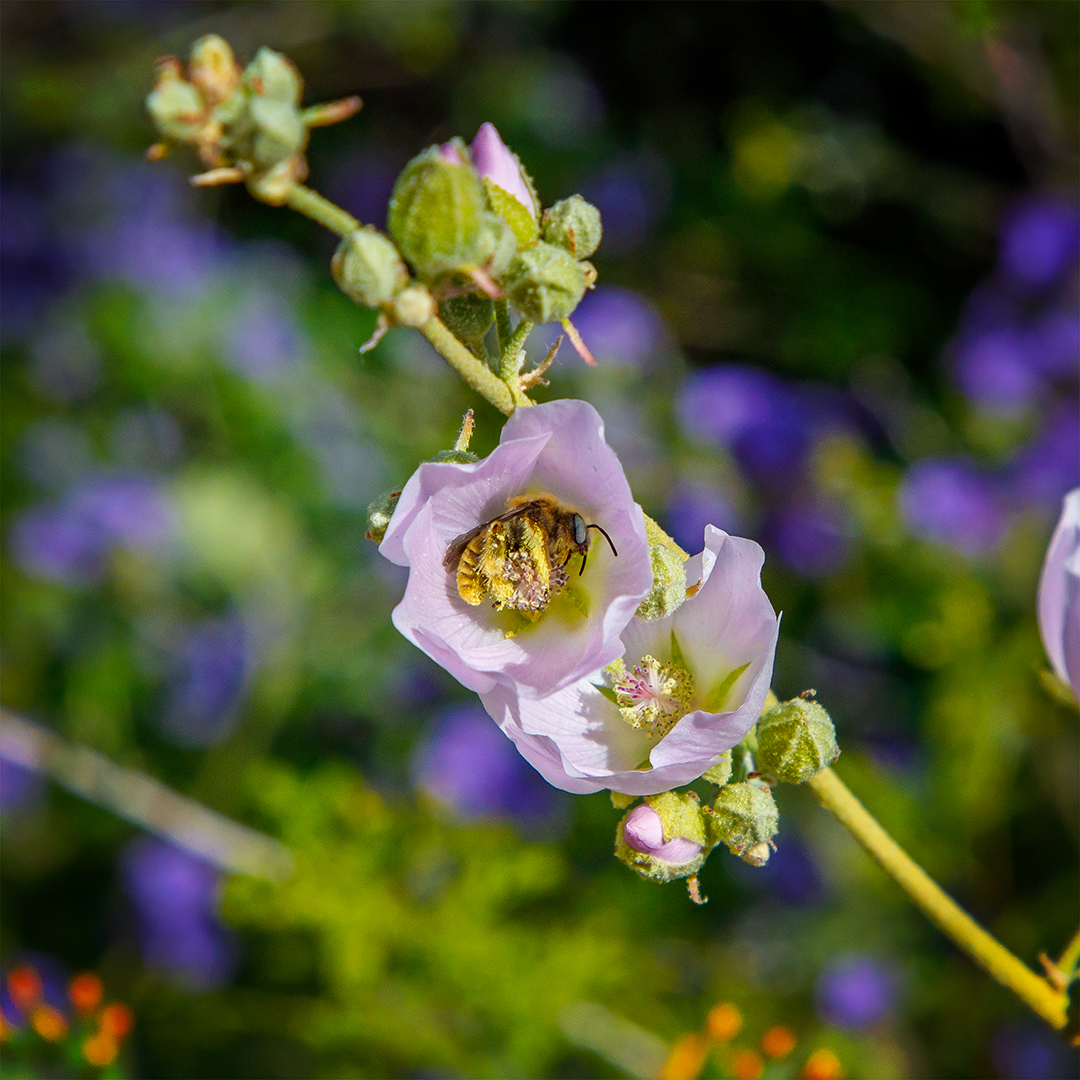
pixel 411 942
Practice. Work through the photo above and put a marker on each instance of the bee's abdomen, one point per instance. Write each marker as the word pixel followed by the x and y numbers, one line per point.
pixel 470 583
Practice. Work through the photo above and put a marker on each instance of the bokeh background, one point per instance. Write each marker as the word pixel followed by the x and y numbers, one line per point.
pixel 837 313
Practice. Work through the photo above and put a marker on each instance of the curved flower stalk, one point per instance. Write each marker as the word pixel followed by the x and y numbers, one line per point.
pixel 557 449
pixel 687 688
pixel 1059 595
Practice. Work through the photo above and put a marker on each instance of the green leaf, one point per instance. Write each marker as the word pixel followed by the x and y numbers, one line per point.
pixel 609 694
pixel 715 698
pixel 512 212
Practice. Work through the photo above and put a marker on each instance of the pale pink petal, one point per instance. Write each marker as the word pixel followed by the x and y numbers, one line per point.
pixel 1059 594
pixel 493 159
pixel 644 831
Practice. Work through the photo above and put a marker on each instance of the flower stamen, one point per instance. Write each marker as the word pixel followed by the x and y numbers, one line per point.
pixel 652 696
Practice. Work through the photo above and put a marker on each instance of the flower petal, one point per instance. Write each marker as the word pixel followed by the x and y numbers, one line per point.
pixel 1059 595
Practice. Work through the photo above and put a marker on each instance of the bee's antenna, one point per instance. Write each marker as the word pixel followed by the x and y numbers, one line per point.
pixel 603 532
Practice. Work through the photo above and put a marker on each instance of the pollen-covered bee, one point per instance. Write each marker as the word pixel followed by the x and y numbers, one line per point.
pixel 519 558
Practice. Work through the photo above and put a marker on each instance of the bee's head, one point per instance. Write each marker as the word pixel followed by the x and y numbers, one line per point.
pixel 581 538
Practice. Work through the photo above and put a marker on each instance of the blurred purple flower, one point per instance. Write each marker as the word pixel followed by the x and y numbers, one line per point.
pixel 362 183
pixel 20 788
pixel 693 506
pixel 1059 595
pixel 790 874
pixel 263 340
pixel 69 541
pixel 631 194
pixel 1040 239
pixel 621 327
pixel 644 831
pixel 809 538
pixel 855 991
pixel 1057 343
pixel 1000 368
pixel 752 413
pixel 174 894
pixel 472 767
pixel 1026 1051
pixel 214 664
pixel 495 161
pixel 950 501
pixel 1044 470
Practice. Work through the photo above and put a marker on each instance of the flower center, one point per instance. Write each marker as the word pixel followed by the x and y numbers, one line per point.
pixel 652 696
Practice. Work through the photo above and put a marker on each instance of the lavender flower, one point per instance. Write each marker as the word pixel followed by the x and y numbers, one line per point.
pixel 855 992
pixel 1048 467
pixel 952 502
pixel 494 160
pixel 1040 239
pixel 557 448
pixel 473 768
pixel 688 687
pixel 809 539
pixel 1059 595
pixel 1026 1051
pixel 174 894
pixel 621 327
pixel 644 831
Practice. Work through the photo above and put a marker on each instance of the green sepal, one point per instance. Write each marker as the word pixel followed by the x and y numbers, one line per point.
pixel 669 584
pixel 744 818
pixel 379 512
pixel 368 269
pixel 544 283
pixel 273 76
pixel 510 210
pixel 574 225
pixel 720 773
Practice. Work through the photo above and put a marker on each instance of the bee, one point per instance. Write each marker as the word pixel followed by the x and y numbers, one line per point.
pixel 519 558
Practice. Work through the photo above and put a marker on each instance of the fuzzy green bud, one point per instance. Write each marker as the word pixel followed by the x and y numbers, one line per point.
pixel 273 77
pixel 413 306
pixel 545 283
pixel 368 269
pixel 744 818
pixel 720 773
pixel 665 837
pixel 280 133
pixel 796 740
pixel 175 106
pixel 379 512
pixel 212 69
pixel 438 214
pixel 574 225
pixel 669 583
pixel 468 317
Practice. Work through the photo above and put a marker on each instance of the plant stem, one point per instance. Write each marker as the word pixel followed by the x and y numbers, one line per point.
pixel 476 373
pixel 1069 959
pixel 940 908
pixel 313 205
pixel 503 329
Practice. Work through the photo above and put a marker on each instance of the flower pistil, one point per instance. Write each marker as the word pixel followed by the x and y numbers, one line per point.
pixel 652 695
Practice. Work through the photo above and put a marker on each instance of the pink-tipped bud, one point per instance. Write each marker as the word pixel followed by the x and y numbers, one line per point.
pixel 494 160
pixel 644 832
pixel 449 152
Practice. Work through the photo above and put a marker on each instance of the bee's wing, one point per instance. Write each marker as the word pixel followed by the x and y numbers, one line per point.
pixel 458 545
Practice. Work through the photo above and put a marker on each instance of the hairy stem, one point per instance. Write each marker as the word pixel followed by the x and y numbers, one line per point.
pixel 983 948
pixel 1070 958
pixel 476 373
pixel 313 205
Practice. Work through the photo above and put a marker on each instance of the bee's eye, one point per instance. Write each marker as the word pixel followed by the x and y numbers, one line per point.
pixel 580 532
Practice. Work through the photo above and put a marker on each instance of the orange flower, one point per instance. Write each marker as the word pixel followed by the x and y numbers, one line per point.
pixel 822 1064
pixel 747 1065
pixel 24 985
pixel 116 1021
pixel 100 1049
pixel 85 991
pixel 49 1023
pixel 724 1021
pixel 686 1058
pixel 778 1042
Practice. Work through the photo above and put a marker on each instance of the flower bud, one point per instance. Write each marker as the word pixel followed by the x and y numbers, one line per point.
pixel 280 132
pixel 438 215
pixel 669 583
pixel 468 317
pixel 665 837
pixel 175 105
pixel 544 283
pixel 744 818
pixel 379 512
pixel 574 225
pixel 497 163
pixel 273 77
pixel 413 306
pixel 213 69
pixel 368 269
pixel 720 773
pixel 796 741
